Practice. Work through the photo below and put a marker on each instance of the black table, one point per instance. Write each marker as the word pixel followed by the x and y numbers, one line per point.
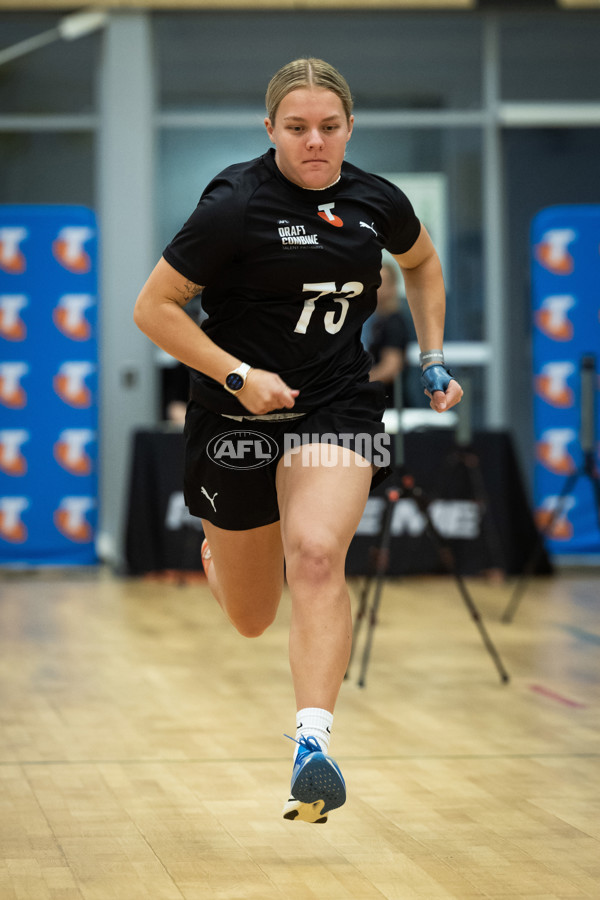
pixel 476 499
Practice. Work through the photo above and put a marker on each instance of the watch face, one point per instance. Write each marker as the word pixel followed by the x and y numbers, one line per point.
pixel 234 381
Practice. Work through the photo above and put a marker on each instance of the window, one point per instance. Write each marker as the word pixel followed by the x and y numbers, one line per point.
pixel 550 57
pixel 391 61
pixel 57 78
pixel 47 167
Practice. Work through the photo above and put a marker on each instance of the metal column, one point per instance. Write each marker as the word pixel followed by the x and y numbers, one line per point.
pixel 126 213
pixel 494 307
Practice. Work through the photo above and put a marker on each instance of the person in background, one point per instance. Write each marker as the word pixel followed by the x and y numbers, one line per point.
pixel 175 384
pixel 387 334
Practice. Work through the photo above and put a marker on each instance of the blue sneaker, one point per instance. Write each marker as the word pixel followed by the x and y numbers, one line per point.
pixel 317 784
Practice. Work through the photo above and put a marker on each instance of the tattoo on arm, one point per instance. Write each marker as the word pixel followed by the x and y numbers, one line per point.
pixel 188 291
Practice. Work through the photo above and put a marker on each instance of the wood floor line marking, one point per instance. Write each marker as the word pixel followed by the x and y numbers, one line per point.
pixel 275 759
pixel 559 698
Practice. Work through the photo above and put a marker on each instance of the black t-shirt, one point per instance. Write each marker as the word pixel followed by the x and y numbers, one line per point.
pixel 388 331
pixel 290 275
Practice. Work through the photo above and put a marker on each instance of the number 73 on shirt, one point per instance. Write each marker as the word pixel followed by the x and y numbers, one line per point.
pixel 325 289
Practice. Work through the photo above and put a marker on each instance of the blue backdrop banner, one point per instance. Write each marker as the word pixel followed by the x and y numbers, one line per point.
pixel 566 317
pixel 48 385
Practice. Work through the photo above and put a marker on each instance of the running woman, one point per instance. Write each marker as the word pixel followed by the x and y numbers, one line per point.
pixel 283 431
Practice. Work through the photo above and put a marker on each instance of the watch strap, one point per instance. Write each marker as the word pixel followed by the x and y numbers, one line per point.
pixel 241 370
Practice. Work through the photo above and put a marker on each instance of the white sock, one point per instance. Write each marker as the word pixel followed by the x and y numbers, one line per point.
pixel 314 722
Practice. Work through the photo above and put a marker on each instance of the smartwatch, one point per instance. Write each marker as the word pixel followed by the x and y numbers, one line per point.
pixel 236 379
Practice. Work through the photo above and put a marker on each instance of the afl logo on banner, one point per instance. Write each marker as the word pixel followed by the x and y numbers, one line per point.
pixel 12 326
pixel 70 519
pixel 12 258
pixel 12 460
pixel 69 384
pixel 552 251
pixel 12 527
pixel 68 316
pixel 68 248
pixel 12 393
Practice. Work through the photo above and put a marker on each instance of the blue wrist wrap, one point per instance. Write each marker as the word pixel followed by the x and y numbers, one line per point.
pixel 436 378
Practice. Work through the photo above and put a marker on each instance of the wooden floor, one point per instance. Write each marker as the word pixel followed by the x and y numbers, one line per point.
pixel 142 751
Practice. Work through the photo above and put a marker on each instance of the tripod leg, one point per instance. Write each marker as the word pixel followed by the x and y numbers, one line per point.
pixel 393 496
pixel 374 564
pixel 594 476
pixel 448 560
pixel 596 486
pixel 504 677
pixel 538 547
pixel 488 525
pixel 359 617
pixel 372 623
pixel 587 439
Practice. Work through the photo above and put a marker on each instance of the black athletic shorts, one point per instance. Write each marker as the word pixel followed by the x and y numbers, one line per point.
pixel 230 464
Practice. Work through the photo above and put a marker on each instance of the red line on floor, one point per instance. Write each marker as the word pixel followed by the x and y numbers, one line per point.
pixel 566 701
